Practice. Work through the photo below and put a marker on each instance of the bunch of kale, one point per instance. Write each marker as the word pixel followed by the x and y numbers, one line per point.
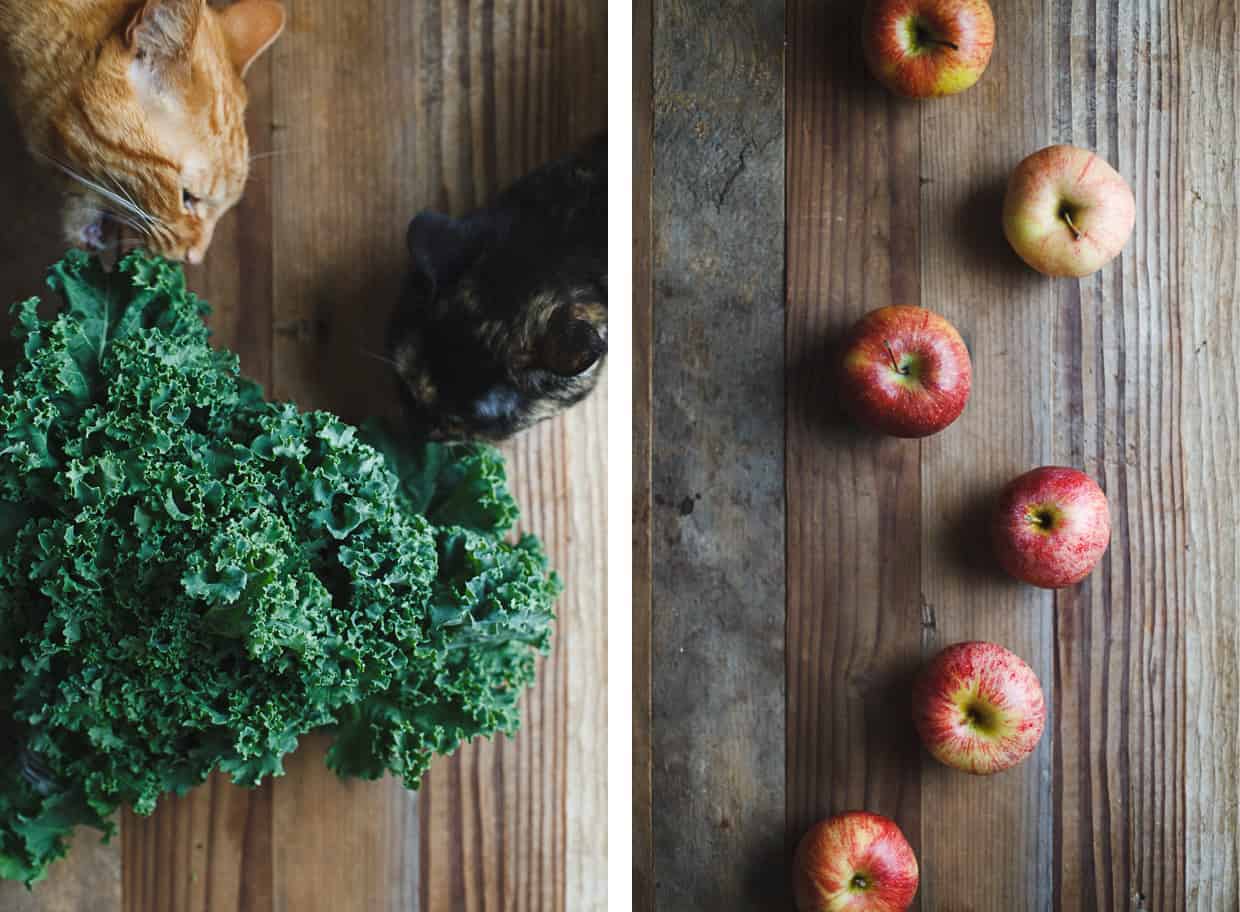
pixel 192 578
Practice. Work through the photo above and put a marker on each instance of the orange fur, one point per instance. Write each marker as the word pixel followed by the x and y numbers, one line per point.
pixel 143 98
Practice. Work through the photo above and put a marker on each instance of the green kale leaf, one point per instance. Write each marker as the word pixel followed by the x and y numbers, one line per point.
pixel 192 578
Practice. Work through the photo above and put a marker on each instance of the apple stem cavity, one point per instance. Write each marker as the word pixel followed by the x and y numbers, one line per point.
pixel 859 882
pixel 1044 518
pixel 894 363
pixel 923 36
pixel 1067 217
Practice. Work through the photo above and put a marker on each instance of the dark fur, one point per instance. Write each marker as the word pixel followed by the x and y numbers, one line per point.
pixel 503 320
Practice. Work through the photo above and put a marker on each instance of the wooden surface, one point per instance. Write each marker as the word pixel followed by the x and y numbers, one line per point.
pixel 369 114
pixel 1131 801
pixel 643 552
pixel 717 644
pixel 1201 251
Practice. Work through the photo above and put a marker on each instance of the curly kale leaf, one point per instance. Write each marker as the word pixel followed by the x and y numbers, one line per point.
pixel 192 578
pixel 452 484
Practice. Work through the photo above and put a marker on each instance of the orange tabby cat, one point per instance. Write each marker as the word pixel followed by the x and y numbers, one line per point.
pixel 138 105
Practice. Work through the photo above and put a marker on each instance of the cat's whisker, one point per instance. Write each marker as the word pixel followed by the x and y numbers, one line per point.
pixel 132 226
pixel 123 219
pixel 129 196
pixel 86 182
pixel 271 154
pixel 120 188
pixel 369 354
pixel 133 206
pixel 103 191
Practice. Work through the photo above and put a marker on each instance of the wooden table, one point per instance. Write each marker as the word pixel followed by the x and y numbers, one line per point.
pixel 794 572
pixel 370 112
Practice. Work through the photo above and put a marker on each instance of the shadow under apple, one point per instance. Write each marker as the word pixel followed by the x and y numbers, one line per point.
pixel 813 393
pixel 967 541
pixel 893 758
pixel 891 739
pixel 978 225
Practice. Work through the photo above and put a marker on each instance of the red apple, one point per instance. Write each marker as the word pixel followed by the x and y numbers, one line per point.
pixel 854 862
pixel 1067 212
pixel 906 372
pixel 978 708
pixel 1051 527
pixel 925 48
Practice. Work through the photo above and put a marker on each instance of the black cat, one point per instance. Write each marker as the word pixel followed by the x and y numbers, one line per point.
pixel 503 320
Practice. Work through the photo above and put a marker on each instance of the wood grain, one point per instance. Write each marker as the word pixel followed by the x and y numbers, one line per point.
pixel 718 520
pixel 209 850
pixel 341 844
pixel 1204 245
pixel 584 650
pixel 643 360
pixel 1119 666
pixel 89 878
pixel 855 620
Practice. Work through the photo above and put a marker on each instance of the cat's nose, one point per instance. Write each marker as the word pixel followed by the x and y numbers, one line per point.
pixel 197 250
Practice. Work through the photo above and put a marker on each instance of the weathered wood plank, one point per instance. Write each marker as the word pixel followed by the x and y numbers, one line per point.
pixel 89 878
pixel 1006 313
pixel 717 476
pixel 578 109
pixel 854 498
pixel 1204 245
pixel 583 632
pixel 643 359
pixel 1118 758
pixel 344 110
pixel 209 851
pixel 341 844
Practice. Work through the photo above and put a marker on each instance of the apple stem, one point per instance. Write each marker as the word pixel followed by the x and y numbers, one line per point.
pixel 1076 232
pixel 894 363
pixel 940 41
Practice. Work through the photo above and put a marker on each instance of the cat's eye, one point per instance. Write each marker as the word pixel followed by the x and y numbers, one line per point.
pixel 188 200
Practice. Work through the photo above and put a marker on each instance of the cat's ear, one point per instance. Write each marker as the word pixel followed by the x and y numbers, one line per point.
pixel 574 341
pixel 251 26
pixel 442 248
pixel 161 35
